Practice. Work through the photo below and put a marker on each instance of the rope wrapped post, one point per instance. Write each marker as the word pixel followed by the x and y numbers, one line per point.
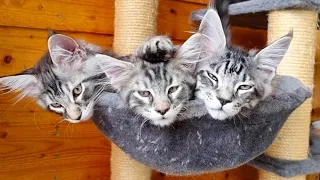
pixel 135 20
pixel 293 139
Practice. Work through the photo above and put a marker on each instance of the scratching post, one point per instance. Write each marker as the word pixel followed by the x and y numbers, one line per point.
pixel 292 141
pixel 135 20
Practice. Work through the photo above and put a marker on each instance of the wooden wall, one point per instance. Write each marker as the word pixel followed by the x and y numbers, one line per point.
pixel 37 145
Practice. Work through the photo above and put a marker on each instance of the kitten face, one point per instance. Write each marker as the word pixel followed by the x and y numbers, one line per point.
pixel 65 80
pixel 155 89
pixel 71 94
pixel 158 91
pixel 229 82
pixel 229 78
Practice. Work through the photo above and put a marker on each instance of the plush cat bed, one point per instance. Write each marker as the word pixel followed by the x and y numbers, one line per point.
pixel 291 168
pixel 253 6
pixel 198 143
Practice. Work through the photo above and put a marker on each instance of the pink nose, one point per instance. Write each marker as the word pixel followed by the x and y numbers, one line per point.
pixel 163 107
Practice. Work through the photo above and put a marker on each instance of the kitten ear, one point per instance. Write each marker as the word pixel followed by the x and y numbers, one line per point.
pixel 116 70
pixel 208 40
pixel 270 57
pixel 65 51
pixel 26 83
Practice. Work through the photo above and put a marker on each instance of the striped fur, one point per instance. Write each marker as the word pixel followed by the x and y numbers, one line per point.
pixel 54 84
pixel 229 78
pixel 157 90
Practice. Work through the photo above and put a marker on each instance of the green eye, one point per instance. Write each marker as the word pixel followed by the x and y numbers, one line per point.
pixel 173 89
pixel 244 87
pixel 213 77
pixel 77 90
pixel 144 93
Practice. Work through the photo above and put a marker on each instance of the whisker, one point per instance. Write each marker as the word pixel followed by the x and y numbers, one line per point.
pixel 140 130
pixel 34 119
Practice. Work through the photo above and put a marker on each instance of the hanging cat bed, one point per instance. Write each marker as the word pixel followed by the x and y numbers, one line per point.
pixel 197 143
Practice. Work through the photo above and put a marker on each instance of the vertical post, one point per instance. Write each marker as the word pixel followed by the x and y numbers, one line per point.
pixel 135 20
pixel 293 139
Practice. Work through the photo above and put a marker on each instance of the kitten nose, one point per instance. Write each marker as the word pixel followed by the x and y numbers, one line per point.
pixel 74 113
pixel 224 101
pixel 163 111
pixel 162 108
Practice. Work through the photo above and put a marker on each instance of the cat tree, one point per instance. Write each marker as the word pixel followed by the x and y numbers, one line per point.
pixel 292 142
pixel 135 20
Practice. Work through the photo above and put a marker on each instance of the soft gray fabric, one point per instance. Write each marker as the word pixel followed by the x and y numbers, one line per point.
pixel 290 168
pixel 287 168
pixel 254 6
pixel 199 143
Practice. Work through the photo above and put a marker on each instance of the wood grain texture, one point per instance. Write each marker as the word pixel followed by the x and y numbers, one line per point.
pixel 173 18
pixel 36 144
pixel 81 16
pixel 24 47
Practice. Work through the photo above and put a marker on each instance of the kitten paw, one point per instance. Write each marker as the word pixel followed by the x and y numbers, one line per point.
pixel 157 49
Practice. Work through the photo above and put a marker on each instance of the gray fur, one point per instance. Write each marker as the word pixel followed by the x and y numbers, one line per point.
pixel 291 168
pixel 67 67
pixel 153 84
pixel 254 6
pixel 199 144
pixel 230 79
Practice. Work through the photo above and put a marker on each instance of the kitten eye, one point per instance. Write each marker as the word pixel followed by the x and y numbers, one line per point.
pixel 213 77
pixel 244 87
pixel 144 93
pixel 77 90
pixel 173 89
pixel 56 105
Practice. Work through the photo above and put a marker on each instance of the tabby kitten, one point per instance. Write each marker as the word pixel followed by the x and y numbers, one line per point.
pixel 65 80
pixel 153 84
pixel 229 78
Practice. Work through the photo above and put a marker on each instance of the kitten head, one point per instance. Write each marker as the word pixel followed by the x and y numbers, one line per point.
pixel 156 91
pixel 229 78
pixel 65 80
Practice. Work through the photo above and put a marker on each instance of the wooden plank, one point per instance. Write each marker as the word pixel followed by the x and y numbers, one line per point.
pixel 316 93
pixel 313 177
pixel 35 144
pixel 68 15
pixel 318 47
pixel 25 46
pixel 248 38
pixel 173 18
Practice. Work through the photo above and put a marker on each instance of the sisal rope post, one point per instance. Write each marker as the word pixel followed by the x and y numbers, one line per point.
pixel 135 20
pixel 293 139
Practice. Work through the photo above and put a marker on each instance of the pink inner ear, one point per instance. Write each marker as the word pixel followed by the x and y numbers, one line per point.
pixel 63 42
pixel 65 51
